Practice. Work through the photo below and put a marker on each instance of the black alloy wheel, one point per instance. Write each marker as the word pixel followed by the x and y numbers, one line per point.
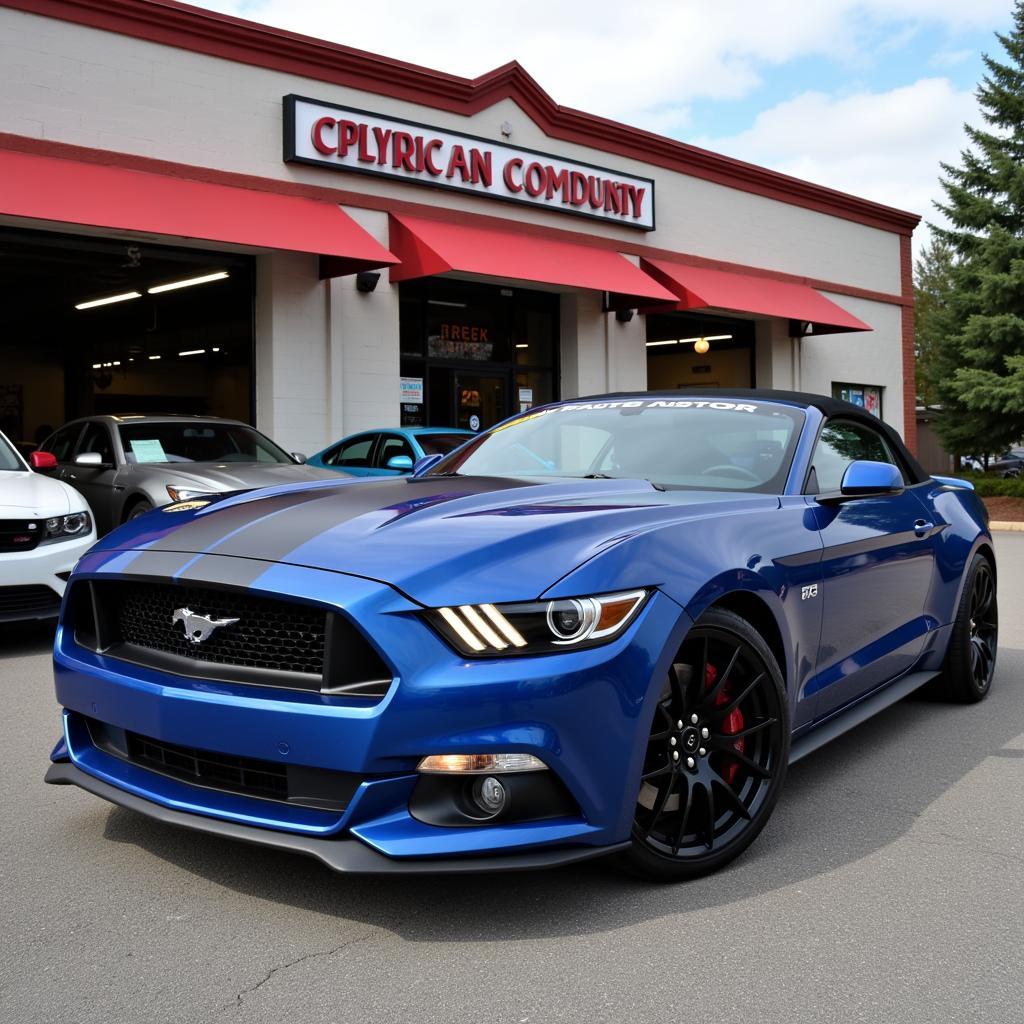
pixel 716 754
pixel 971 658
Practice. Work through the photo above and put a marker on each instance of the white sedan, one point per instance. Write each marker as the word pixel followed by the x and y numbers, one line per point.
pixel 45 527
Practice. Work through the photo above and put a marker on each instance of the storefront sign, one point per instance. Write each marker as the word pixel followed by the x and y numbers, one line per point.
pixel 411 390
pixel 354 140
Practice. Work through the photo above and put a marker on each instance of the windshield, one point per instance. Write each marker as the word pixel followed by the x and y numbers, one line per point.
pixel 676 443
pixel 9 460
pixel 441 444
pixel 197 442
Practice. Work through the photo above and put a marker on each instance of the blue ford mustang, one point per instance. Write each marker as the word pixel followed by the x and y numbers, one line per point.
pixel 606 626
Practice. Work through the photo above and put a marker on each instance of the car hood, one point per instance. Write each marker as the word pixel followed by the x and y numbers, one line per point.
pixel 438 540
pixel 32 494
pixel 230 476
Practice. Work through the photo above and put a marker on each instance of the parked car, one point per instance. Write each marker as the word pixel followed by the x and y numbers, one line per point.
pixel 1009 464
pixel 574 637
pixel 389 451
pixel 127 465
pixel 45 527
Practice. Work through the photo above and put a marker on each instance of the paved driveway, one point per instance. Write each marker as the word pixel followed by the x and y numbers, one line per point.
pixel 888 887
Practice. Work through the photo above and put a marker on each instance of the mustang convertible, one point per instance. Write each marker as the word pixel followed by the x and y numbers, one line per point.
pixel 606 626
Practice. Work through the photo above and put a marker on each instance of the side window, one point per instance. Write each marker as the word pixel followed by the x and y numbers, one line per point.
pixel 390 446
pixel 355 453
pixel 59 445
pixel 96 438
pixel 842 442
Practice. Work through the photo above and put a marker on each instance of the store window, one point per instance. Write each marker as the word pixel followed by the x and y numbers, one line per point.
pixel 867 396
pixel 474 354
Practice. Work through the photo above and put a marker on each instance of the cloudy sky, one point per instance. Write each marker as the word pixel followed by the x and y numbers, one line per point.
pixel 864 96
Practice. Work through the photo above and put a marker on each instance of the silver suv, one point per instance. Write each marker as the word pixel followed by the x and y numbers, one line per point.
pixel 126 465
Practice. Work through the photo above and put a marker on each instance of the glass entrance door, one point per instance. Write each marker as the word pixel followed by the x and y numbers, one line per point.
pixel 480 400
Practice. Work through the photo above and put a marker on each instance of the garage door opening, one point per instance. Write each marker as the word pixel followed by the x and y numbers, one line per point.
pixel 687 350
pixel 120 326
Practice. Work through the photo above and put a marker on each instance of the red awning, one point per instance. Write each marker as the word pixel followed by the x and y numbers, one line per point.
pixel 428 247
pixel 700 288
pixel 102 196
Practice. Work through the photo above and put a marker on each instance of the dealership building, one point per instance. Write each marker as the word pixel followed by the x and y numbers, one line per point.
pixel 202 214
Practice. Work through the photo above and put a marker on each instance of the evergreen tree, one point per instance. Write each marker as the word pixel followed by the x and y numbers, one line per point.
pixel 933 285
pixel 979 370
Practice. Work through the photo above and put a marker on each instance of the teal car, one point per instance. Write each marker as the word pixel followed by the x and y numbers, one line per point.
pixel 388 452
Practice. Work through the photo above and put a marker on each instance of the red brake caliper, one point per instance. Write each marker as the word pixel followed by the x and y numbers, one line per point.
pixel 732 723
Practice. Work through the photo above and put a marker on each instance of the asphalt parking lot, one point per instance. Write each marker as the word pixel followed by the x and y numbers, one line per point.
pixel 888 887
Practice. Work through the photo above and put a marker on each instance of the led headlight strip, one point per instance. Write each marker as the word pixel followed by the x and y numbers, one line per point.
pixel 539 626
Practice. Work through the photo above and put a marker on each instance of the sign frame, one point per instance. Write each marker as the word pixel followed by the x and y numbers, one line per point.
pixel 290 155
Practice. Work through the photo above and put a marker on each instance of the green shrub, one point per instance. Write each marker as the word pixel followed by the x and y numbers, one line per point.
pixel 996 486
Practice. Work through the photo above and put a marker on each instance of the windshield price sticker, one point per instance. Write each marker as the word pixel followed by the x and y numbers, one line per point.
pixel 148 450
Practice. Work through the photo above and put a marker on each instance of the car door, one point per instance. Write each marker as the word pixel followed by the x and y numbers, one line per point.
pixel 389 446
pixel 878 565
pixel 354 455
pixel 98 483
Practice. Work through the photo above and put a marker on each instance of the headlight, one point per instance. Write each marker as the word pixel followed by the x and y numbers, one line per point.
pixel 78 524
pixel 185 493
pixel 539 627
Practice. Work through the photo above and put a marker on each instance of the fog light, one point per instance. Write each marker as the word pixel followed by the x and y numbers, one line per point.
pixel 480 764
pixel 489 795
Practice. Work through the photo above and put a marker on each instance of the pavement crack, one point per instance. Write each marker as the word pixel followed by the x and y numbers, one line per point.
pixel 314 955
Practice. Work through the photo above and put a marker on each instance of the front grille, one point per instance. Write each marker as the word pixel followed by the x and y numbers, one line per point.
pixel 32 601
pixel 276 642
pixel 320 788
pixel 19 534
pixel 276 636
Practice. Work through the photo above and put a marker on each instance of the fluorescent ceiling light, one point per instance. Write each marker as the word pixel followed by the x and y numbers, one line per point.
pixel 193 352
pixel 707 337
pixel 154 357
pixel 123 297
pixel 214 349
pixel 97 366
pixel 442 302
pixel 522 345
pixel 671 341
pixel 187 283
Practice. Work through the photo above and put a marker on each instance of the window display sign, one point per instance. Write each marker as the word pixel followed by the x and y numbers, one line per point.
pixel 411 390
pixel 867 396
pixel 346 139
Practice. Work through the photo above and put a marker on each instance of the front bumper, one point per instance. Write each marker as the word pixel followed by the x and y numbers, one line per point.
pixel 349 856
pixel 27 572
pixel 585 714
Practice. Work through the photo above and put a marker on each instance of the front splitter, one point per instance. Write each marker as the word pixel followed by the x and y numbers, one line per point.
pixel 345 855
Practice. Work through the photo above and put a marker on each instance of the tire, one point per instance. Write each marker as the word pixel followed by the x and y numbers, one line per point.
pixel 138 508
pixel 970 661
pixel 727 678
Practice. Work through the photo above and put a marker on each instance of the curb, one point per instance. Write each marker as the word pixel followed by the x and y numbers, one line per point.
pixel 1007 527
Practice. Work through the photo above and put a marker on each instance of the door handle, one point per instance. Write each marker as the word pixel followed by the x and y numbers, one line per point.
pixel 923 527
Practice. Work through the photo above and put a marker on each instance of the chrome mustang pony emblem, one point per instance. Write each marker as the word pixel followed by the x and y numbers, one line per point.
pixel 198 627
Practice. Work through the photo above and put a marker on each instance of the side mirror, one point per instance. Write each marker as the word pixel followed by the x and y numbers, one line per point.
pixel 299 458
pixel 403 463
pixel 89 459
pixel 866 479
pixel 42 460
pixel 422 465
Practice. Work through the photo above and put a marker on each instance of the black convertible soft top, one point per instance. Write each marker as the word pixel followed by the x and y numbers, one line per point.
pixel 828 407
